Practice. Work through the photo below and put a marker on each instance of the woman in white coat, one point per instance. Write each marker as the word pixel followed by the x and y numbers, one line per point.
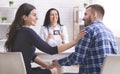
pixel 52 31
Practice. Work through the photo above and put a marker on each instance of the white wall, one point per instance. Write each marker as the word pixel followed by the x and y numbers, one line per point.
pixel 112 14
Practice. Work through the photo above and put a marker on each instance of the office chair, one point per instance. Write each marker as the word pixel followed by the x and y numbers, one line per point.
pixel 111 65
pixel 12 63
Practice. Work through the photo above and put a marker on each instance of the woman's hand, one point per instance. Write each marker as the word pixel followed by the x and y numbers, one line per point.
pixel 49 66
pixel 80 35
pixel 49 37
pixel 66 46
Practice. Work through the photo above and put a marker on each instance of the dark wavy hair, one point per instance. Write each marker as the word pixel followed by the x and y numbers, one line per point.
pixel 17 23
pixel 47 18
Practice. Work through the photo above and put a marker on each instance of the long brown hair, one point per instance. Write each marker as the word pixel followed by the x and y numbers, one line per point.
pixel 18 22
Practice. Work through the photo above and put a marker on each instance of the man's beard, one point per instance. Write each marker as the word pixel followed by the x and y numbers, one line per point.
pixel 87 21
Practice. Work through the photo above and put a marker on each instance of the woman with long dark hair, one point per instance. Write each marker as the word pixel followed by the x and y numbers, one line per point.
pixel 21 38
pixel 52 31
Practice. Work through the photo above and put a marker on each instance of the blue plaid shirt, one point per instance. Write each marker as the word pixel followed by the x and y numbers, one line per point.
pixel 91 50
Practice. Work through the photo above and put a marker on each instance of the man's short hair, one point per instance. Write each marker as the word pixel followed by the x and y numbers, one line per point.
pixel 98 8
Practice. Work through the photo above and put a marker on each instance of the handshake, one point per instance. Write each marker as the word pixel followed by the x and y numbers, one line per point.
pixel 53 64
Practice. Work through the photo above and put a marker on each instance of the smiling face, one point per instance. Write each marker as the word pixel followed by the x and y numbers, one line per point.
pixel 31 19
pixel 88 17
pixel 53 16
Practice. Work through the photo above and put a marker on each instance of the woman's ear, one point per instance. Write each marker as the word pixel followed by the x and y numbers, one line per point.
pixel 24 17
